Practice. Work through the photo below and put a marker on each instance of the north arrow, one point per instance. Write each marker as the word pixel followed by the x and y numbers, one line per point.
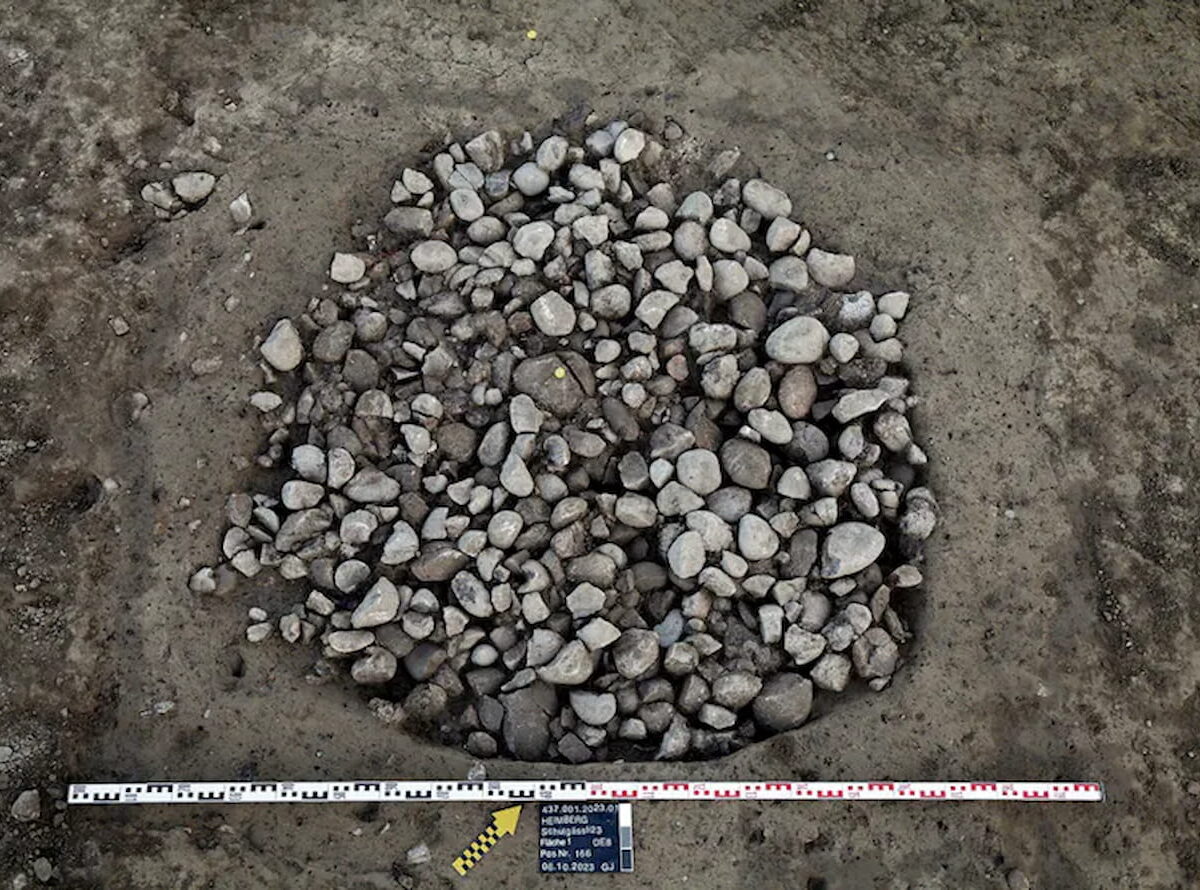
pixel 503 822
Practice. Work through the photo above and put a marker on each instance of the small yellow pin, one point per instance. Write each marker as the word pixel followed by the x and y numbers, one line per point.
pixel 560 372
pixel 531 34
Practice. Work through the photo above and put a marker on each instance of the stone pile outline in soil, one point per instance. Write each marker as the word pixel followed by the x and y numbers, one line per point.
pixel 581 469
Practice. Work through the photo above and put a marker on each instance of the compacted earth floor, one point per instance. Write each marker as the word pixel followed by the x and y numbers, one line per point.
pixel 1027 171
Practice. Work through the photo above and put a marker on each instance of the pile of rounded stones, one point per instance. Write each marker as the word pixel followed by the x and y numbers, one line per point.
pixel 584 468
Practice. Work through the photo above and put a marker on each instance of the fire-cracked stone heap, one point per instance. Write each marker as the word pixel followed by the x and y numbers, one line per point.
pixel 582 468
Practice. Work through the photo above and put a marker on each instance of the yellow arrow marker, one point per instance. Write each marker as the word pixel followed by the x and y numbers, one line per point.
pixel 503 822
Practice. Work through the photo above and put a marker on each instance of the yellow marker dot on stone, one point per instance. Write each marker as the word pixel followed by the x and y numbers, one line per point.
pixel 531 34
pixel 560 373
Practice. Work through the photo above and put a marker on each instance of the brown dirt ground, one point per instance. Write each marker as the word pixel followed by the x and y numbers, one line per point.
pixel 1028 170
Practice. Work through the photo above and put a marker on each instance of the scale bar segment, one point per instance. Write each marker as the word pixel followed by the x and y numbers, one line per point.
pixel 388 791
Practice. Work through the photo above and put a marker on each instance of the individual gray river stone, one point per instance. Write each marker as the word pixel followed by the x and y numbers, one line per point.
pixel 636 653
pixel 793 483
pixel 309 462
pixel 729 278
pixel 378 606
pixel 532 239
pixel 798 341
pixel 766 199
pixel 346 642
pixel 716 716
pixel 350 575
pixel 302 526
pixel 571 666
pixel 782 234
pixel 591 229
pixel 515 476
pixel 736 689
pixel 553 315
pixel 526 727
pixel 788 273
pixel 376 667
pixel 784 702
pixel 409 222
pixel 770 623
pixel 685 556
pixel 696 206
pixel 433 256
pixel 797 391
pixel 596 708
pixel 558 382
pixel 689 240
pixel 831 672
pixel 858 402
pixel 552 153
pixel 599 633
pixel 894 304
pixel 543 645
pixel 680 658
pixel 746 464
pixel 674 276
pixel 843 347
pixel 333 342
pixel 773 426
pixel 401 546
pixel 676 499
pixel 194 186
pixel 856 310
pixel 503 528
pixel 472 595
pixel 700 470
pixel 849 548
pixel 297 494
pixel 636 511
pixel 893 431
pixel 756 539
pixel 830 269
pixel 753 390
pixel 804 646
pixel 530 179
pixel 282 349
pixel 629 145
pixel 669 629
pixel 875 654
pixel 524 415
pixel 466 204
pixel 728 237
pixel 586 599
pixel 371 486
pixel 612 301
pixel 676 741
pixel 27 806
pixel 830 478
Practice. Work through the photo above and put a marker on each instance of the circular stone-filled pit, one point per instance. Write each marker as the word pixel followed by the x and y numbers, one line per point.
pixel 583 467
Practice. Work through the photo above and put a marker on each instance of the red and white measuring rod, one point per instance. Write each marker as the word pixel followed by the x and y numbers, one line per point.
pixel 559 791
